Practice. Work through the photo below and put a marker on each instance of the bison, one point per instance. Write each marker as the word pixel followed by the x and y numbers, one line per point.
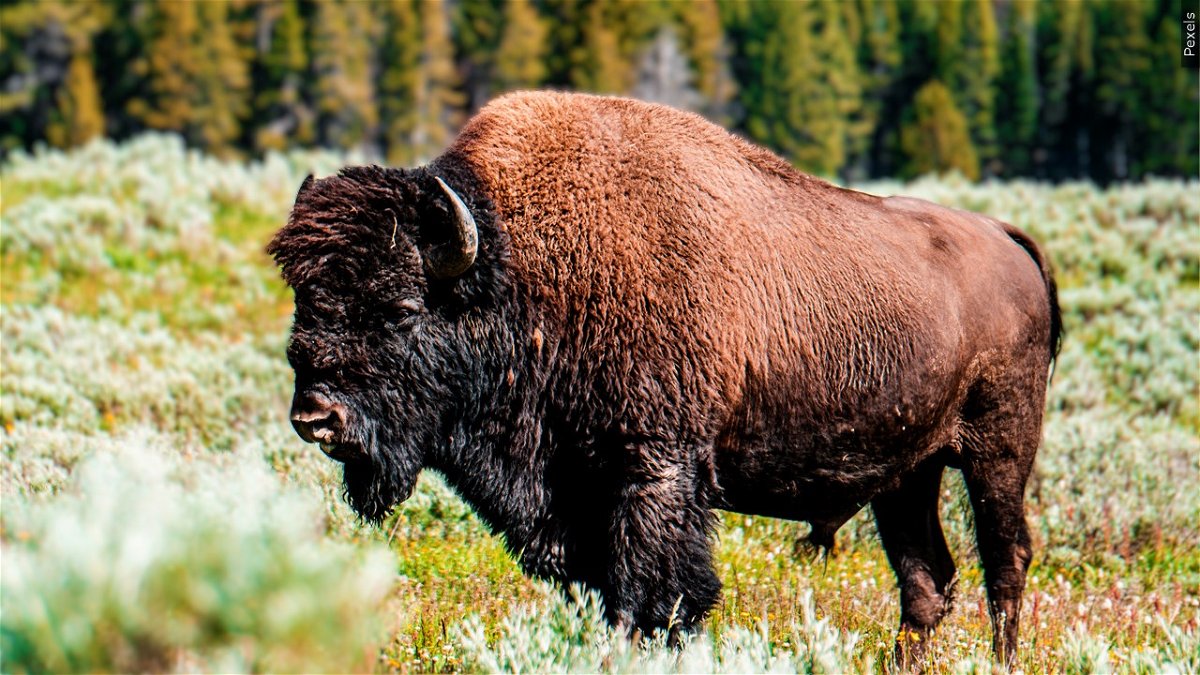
pixel 602 319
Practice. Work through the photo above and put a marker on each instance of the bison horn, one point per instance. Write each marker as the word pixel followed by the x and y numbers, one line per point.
pixel 456 256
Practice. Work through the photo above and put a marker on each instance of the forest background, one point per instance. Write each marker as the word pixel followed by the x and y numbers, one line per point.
pixel 1081 89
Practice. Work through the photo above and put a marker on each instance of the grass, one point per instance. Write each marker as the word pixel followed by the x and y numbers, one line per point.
pixel 149 465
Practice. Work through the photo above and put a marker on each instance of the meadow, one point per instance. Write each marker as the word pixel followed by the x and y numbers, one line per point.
pixel 160 514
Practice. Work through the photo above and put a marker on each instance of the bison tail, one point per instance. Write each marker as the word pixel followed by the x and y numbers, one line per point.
pixel 1056 331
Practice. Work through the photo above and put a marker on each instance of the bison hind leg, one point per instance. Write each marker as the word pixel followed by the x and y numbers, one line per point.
pixel 911 531
pixel 1002 436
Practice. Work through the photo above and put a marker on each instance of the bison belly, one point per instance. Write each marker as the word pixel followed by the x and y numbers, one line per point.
pixel 800 460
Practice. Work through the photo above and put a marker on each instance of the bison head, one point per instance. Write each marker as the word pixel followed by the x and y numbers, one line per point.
pixel 378 373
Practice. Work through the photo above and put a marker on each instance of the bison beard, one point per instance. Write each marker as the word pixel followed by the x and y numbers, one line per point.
pixel 601 320
pixel 380 470
pixel 370 497
pixel 373 486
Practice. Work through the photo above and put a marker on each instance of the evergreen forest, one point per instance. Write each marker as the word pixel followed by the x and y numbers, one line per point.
pixel 856 89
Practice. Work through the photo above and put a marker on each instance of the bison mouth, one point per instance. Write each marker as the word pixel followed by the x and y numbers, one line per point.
pixel 343 452
pixel 379 469
pixel 374 482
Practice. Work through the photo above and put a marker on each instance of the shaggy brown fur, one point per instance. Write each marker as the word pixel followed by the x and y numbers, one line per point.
pixel 664 320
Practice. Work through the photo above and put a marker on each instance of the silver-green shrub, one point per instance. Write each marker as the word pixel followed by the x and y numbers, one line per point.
pixel 156 561
pixel 86 374
pixel 568 634
pixel 135 342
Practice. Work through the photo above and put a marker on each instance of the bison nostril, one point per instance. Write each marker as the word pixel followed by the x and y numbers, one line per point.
pixel 318 420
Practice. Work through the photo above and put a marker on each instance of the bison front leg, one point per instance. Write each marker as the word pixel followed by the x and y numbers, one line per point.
pixel 660 572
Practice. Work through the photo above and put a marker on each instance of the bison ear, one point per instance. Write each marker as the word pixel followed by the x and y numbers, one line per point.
pixel 456 256
pixel 304 187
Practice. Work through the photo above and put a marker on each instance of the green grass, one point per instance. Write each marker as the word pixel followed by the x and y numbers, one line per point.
pixel 144 326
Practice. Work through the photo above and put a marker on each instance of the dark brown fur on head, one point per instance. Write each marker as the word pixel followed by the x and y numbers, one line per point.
pixel 369 326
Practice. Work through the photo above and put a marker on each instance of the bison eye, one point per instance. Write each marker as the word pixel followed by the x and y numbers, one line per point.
pixel 399 312
pixel 408 305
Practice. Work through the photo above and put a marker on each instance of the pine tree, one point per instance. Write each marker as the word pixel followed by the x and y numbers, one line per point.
pixel 743 30
pixel 838 71
pixel 594 45
pixel 48 89
pixel 1076 89
pixel 967 62
pixel 770 68
pixel 1082 97
pixel 1017 107
pixel 171 68
pixel 222 82
pixel 418 84
pixel 280 115
pixel 858 127
pixel 599 67
pixel 80 115
pixel 121 45
pixel 1065 37
pixel 79 111
pixel 803 84
pixel 949 66
pixel 980 67
pixel 918 45
pixel 18 124
pixel 880 61
pixel 921 26
pixel 767 69
pixel 565 42
pixel 1123 60
pixel 1168 124
pixel 196 77
pixel 438 100
pixel 708 54
pixel 635 24
pixel 879 40
pixel 343 36
pixel 935 137
pixel 400 81
pixel 520 57
pixel 478 26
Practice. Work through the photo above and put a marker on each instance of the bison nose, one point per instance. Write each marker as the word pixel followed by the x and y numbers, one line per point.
pixel 317 419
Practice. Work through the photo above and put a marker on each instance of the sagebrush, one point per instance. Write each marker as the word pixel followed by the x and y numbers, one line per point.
pixel 158 512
